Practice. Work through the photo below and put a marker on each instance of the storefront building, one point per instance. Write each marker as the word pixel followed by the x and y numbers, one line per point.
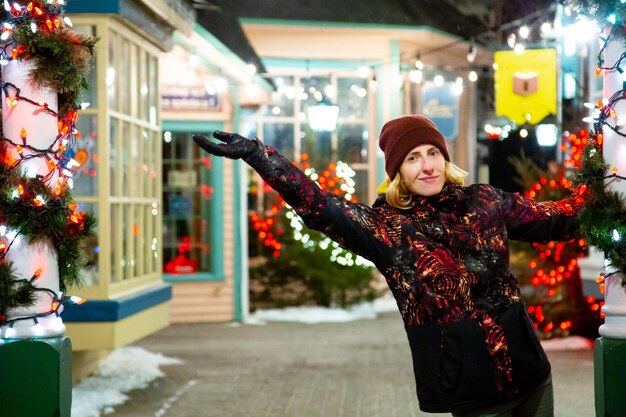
pixel 151 192
pixel 172 239
pixel 204 87
pixel 369 71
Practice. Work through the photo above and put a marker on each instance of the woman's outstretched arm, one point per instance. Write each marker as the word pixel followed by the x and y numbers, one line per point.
pixel 539 221
pixel 356 227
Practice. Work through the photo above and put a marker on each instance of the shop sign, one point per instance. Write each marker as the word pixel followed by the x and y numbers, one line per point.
pixel 181 97
pixel 441 105
pixel 525 85
pixel 182 179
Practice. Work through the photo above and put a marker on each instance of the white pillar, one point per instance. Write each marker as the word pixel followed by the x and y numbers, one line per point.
pixel 614 150
pixel 41 129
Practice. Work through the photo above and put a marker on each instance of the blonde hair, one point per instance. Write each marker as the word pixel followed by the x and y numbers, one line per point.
pixel 400 197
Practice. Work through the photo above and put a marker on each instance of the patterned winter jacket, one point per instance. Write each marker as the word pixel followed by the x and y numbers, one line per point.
pixel 446 261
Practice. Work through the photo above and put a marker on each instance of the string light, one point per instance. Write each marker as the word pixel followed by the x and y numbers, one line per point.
pixel 554 264
pixel 34 197
pixel 471 54
pixel 418 63
pixel 416 76
pixel 337 178
pixel 524 32
pixel 510 40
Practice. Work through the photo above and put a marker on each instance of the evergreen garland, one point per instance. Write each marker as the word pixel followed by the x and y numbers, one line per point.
pixel 61 59
pixel 603 217
pixel 12 295
pixel 548 273
pixel 53 221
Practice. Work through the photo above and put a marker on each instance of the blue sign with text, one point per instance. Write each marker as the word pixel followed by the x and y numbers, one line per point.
pixel 441 105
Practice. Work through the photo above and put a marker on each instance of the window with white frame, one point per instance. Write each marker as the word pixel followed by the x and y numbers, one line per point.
pixel 120 180
pixel 135 156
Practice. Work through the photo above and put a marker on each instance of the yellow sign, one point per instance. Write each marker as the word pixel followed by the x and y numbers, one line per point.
pixel 525 85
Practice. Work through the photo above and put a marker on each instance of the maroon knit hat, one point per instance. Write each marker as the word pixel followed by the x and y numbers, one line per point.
pixel 401 135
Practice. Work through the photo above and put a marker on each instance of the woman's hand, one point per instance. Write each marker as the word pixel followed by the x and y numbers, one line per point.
pixel 234 147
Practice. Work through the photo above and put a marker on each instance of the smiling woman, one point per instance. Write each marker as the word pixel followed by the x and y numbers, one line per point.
pixel 444 254
pixel 425 167
pixel 423 170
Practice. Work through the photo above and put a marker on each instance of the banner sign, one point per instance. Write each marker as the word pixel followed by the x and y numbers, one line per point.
pixel 178 97
pixel 441 105
pixel 525 85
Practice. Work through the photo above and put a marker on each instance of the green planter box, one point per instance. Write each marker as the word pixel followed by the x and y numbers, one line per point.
pixel 610 377
pixel 36 377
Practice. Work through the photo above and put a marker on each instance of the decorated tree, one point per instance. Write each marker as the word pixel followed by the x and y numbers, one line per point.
pixel 549 272
pixel 44 64
pixel 603 219
pixel 304 266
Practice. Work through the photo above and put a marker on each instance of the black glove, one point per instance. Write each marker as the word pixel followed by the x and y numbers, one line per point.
pixel 235 146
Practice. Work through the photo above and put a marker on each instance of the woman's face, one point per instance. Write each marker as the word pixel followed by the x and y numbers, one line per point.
pixel 424 170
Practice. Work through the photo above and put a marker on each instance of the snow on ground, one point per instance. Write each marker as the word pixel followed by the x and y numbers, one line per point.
pixel 131 368
pixel 123 370
pixel 315 314
pixel 368 311
pixel 567 343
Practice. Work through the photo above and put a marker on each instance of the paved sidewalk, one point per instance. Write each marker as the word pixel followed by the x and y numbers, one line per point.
pixel 360 369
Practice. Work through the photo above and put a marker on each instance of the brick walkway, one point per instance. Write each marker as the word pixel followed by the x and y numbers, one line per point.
pixel 359 369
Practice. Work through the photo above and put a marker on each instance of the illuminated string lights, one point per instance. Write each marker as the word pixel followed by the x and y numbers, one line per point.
pixel 602 219
pixel 337 178
pixel 552 266
pixel 34 207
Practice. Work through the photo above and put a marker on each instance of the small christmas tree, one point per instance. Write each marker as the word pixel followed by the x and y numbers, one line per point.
pixel 303 265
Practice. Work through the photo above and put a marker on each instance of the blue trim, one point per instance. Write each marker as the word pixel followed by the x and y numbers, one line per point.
pixel 118 309
pixel 200 276
pixel 238 255
pixel 239 261
pixel 93 6
pixel 396 98
pixel 233 57
pixel 217 215
pixel 195 126
pixel 381 174
pixel 380 159
pixel 207 63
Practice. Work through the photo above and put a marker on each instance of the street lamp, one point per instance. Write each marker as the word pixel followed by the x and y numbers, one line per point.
pixel 323 116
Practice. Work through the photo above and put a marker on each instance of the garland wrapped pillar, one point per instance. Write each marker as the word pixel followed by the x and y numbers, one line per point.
pixel 43 66
pixel 610 347
pixel 39 130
